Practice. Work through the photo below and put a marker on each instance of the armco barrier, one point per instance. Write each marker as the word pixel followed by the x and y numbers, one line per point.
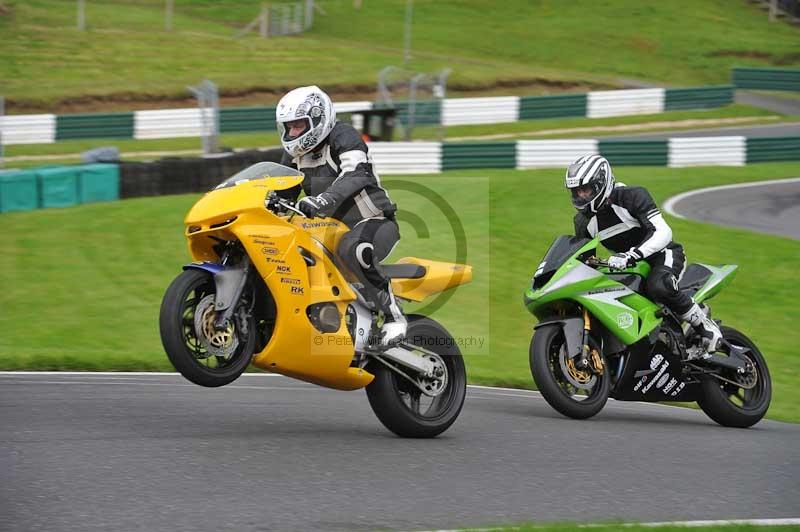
pixel 479 155
pixel 406 157
pixel 243 119
pixel 169 123
pixel 28 129
pixel 773 149
pixel 707 151
pixel 94 126
pixel 626 102
pixel 532 107
pixel 426 112
pixel 702 97
pixel 634 152
pixel 494 110
pixel 552 153
pixel 64 186
pixel 775 79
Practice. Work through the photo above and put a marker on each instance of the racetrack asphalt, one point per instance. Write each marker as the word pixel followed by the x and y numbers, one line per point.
pixel 153 452
pixel 771 207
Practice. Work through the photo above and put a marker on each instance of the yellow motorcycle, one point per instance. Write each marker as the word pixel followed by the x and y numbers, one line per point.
pixel 265 288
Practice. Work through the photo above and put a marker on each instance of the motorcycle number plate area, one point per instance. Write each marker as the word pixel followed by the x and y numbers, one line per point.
pixel 654 375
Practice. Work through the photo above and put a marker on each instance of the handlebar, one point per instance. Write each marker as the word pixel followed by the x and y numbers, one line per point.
pixel 286 204
pixel 595 262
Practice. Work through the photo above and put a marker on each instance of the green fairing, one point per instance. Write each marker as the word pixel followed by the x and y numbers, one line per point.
pixel 720 278
pixel 630 316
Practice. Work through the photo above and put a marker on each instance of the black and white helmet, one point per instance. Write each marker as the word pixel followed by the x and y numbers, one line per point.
pixel 590 180
pixel 311 104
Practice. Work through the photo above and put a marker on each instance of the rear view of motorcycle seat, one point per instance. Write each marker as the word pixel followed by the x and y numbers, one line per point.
pixel 403 271
pixel 415 279
pixel 694 278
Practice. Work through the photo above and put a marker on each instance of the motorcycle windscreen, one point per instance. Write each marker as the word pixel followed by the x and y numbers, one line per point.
pixel 560 251
pixel 262 170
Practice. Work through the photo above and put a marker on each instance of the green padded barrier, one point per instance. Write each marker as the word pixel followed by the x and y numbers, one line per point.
pixel 18 191
pixel 426 112
pixel 479 155
pixel 94 126
pixel 775 79
pixel 98 182
pixel 698 98
pixel 531 107
pixel 635 152
pixel 765 149
pixel 241 119
pixel 58 186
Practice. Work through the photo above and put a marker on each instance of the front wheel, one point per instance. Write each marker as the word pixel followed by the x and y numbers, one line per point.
pixel 738 406
pixel 573 392
pixel 401 406
pixel 201 353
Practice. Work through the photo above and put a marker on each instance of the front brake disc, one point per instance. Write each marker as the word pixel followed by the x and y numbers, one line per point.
pixel 220 343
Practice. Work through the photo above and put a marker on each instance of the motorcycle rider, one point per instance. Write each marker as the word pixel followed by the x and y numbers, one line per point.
pixel 340 182
pixel 628 222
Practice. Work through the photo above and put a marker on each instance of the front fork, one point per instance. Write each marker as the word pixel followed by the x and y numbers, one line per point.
pixel 590 356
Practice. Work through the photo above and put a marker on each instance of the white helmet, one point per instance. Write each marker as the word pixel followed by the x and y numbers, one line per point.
pixel 313 105
pixel 590 171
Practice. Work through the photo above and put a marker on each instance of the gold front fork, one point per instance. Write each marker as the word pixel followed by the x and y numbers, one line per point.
pixel 597 360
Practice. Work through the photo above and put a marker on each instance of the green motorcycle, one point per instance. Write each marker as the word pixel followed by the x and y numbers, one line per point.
pixel 599 336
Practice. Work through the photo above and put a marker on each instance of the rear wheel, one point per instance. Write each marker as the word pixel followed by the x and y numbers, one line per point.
pixel 573 392
pixel 401 406
pixel 742 405
pixel 201 353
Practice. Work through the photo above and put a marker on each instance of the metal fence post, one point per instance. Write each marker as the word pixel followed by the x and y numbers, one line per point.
pixel 440 92
pixel 407 35
pixel 208 102
pixel 170 7
pixel 412 103
pixel 81 15
pixel 309 15
pixel 263 28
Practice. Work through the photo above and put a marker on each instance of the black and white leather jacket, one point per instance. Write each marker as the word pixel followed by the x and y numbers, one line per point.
pixel 629 221
pixel 341 167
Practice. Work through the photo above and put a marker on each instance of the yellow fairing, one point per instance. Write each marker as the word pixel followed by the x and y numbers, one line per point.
pixel 439 276
pixel 274 244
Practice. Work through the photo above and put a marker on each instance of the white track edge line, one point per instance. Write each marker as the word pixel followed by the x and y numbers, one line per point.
pixel 701 523
pixel 519 392
pixel 669 205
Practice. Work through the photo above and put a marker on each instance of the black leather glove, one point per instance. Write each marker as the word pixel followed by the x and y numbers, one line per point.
pixel 311 205
pixel 274 204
